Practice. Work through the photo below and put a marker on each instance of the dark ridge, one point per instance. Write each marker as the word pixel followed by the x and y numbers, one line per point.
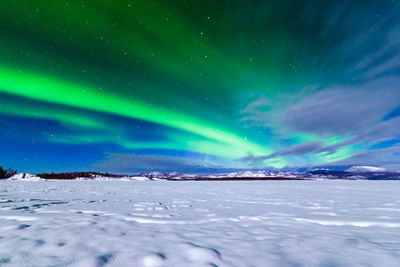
pixel 74 175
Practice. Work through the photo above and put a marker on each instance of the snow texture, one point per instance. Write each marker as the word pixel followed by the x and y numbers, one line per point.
pixel 238 223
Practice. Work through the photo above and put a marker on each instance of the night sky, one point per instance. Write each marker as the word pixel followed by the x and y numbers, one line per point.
pixel 199 86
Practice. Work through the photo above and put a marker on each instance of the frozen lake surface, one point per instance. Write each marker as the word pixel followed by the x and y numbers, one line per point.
pixel 256 223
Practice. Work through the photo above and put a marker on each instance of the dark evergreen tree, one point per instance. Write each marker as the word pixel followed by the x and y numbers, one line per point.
pixel 4 174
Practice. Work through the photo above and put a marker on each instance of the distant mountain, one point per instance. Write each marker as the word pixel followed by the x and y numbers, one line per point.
pixel 357 174
pixel 365 169
pixel 354 173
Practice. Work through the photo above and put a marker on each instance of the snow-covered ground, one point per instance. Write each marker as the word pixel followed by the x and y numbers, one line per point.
pixel 246 223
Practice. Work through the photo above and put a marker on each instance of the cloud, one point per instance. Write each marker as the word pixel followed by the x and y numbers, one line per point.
pixel 382 132
pixel 385 59
pixel 257 112
pixel 340 111
pixel 299 149
pixel 369 136
pixel 392 114
pixel 388 158
pixel 131 163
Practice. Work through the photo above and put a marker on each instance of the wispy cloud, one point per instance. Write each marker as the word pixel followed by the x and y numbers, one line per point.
pixel 299 149
pixel 388 158
pixel 344 110
pixel 132 163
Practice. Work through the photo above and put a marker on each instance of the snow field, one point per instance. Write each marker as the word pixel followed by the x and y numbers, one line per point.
pixel 246 223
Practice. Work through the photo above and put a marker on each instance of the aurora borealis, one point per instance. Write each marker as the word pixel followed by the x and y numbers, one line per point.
pixel 126 86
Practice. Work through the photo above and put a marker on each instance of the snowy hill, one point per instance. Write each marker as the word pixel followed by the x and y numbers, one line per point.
pixel 365 169
pixel 25 177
